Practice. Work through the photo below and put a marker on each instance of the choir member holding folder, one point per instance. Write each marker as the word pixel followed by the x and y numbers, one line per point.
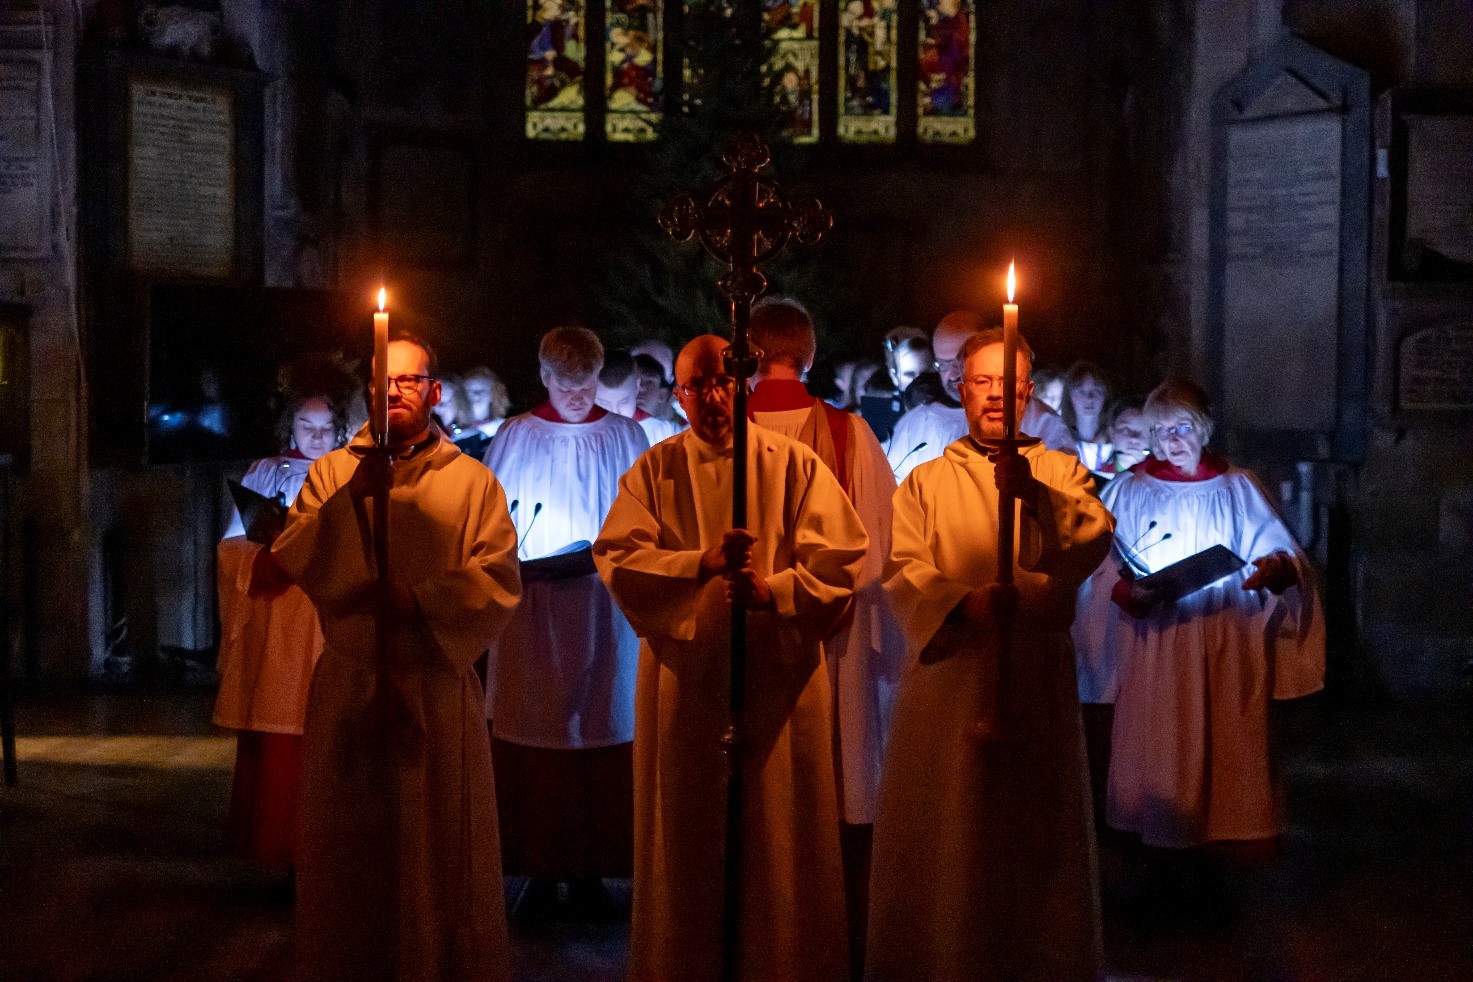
pixel 1190 642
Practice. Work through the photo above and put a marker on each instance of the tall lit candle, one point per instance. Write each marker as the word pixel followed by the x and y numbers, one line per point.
pixel 379 419
pixel 1010 358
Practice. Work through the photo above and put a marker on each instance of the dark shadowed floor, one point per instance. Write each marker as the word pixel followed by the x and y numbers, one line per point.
pixel 111 865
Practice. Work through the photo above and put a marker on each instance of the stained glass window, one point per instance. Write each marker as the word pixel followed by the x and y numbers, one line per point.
pixel 792 68
pixel 556 51
pixel 945 110
pixel 633 79
pixel 867 70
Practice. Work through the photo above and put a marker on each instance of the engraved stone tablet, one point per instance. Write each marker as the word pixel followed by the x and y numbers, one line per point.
pixel 1435 368
pixel 1282 278
pixel 25 186
pixel 181 179
pixel 1439 195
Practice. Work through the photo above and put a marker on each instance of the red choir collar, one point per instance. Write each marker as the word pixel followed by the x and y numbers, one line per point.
pixel 640 415
pixel 545 411
pixel 779 395
pixel 1212 465
pixel 295 454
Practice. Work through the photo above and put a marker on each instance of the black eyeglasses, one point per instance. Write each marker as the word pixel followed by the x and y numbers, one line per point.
pixel 402 382
pixel 702 386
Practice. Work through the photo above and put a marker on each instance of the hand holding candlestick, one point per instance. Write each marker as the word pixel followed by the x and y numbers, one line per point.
pixel 1015 483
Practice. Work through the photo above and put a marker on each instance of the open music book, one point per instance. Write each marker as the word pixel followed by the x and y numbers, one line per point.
pixel 1187 576
pixel 263 517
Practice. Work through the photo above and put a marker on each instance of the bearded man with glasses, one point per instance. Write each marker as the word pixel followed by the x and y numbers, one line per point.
pixel 926 431
pixel 400 865
pixel 983 854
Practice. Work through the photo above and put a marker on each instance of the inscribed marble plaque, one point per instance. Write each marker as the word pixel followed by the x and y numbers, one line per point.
pixel 1439 202
pixel 25 186
pixel 181 179
pixel 1435 368
pixel 1282 283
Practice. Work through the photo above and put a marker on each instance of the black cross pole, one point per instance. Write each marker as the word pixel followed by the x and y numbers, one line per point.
pixel 745 221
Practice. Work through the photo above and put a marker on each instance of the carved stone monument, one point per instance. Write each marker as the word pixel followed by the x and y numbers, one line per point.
pixel 1289 234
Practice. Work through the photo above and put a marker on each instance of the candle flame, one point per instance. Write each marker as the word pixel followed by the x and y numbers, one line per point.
pixel 383 297
pixel 1012 281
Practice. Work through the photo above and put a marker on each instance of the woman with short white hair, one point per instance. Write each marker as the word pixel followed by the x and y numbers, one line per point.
pixel 1191 676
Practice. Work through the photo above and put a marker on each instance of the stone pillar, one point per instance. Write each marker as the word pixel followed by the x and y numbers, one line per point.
pixel 49 575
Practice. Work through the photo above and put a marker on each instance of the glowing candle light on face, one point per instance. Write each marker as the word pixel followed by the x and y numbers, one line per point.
pixel 380 415
pixel 1010 358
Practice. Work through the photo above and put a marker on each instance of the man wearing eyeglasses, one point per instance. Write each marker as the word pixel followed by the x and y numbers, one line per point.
pixel 561 704
pixel 400 868
pixel 983 854
pixel 675 565
pixel 925 431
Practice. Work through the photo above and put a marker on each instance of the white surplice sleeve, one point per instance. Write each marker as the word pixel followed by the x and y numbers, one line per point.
pixel 1294 631
pixel 467 606
pixel 657 588
pixel 829 544
pixel 921 596
pixel 1068 535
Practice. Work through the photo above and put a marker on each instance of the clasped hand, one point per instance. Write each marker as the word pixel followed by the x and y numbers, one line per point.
pixel 373 473
pixel 1014 476
pixel 731 560
pixel 991 604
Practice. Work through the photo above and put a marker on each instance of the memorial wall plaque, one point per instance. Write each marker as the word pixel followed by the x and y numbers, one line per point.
pixel 1439 184
pixel 1281 316
pixel 181 179
pixel 1435 369
pixel 1289 239
pixel 25 163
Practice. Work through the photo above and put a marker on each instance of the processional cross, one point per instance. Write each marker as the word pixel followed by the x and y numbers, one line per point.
pixel 745 221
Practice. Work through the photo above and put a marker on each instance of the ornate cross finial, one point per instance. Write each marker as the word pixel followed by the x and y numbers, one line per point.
pixel 746 219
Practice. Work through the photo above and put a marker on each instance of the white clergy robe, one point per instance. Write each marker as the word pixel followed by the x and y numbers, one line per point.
pixel 938 426
pixel 656 429
pixel 864 655
pixel 674 504
pixel 984 853
pixel 564 668
pixel 1191 681
pixel 268 645
pixel 400 869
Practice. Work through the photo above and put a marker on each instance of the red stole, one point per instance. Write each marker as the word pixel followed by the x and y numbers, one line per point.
pixel 545 411
pixel 789 395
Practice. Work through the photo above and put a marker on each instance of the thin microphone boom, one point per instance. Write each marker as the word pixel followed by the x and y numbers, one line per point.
pixel 536 510
pixel 901 463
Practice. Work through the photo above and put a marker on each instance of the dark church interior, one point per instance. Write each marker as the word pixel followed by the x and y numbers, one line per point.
pixel 1273 198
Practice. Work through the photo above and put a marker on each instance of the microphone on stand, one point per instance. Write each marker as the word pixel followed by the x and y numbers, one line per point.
pixel 511 509
pixel 919 446
pixel 1128 551
pixel 1141 552
pixel 536 510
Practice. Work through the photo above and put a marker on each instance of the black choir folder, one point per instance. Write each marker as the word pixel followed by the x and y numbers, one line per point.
pixel 1187 576
pixel 573 559
pixel 263 517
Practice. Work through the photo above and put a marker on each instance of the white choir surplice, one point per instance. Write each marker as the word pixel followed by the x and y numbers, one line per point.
pixel 1096 455
pixel 400 864
pixel 656 429
pixel 938 426
pixel 984 851
pixel 1191 682
pixel 673 504
pixel 268 645
pixel 863 657
pixel 279 477
pixel 563 670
